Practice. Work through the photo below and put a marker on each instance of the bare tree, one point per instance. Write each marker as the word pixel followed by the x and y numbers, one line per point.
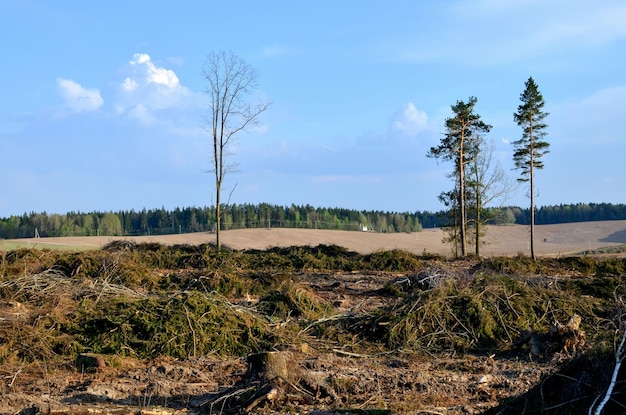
pixel 230 81
pixel 487 184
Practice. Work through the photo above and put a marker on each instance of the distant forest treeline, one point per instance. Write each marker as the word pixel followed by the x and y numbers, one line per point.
pixel 237 216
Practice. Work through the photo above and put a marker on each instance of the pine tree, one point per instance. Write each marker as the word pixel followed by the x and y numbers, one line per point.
pixel 531 147
pixel 463 132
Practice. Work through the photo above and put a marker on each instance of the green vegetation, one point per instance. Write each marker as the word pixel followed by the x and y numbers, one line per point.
pixel 12 244
pixel 487 312
pixel 150 301
pixel 530 149
pixel 147 300
pixel 162 221
pixel 460 145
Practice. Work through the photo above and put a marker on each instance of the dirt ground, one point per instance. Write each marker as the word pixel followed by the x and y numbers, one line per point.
pixel 550 240
pixel 400 382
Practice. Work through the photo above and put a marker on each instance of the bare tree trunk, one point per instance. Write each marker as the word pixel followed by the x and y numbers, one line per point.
pixel 217 151
pixel 478 224
pixel 532 202
pixel 218 222
pixel 462 195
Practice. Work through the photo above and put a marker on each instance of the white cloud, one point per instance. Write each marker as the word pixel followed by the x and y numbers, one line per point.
pixel 153 73
pixel 148 89
pixel 129 84
pixel 141 114
pixel 77 98
pixel 410 121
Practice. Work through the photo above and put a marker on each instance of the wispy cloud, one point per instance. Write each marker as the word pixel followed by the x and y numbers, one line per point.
pixel 77 98
pixel 523 30
pixel 590 119
pixel 141 114
pixel 580 25
pixel 129 84
pixel 410 121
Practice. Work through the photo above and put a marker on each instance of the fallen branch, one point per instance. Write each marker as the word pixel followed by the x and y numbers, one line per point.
pixel 365 356
pixel 15 376
pixel 324 320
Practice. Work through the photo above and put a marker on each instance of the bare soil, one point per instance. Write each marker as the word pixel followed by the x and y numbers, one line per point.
pixel 550 240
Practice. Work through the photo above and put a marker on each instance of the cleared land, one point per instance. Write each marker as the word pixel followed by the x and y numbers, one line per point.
pixel 550 240
pixel 176 331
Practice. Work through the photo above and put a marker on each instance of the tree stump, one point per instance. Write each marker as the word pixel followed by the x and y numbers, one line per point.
pixel 90 362
pixel 270 375
pixel 269 366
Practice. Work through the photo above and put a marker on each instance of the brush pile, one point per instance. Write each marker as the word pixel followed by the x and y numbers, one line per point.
pixel 186 329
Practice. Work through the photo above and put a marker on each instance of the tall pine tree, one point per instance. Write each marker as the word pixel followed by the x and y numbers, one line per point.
pixel 531 147
pixel 459 145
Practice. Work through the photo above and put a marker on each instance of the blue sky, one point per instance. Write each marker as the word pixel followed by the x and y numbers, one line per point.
pixel 103 105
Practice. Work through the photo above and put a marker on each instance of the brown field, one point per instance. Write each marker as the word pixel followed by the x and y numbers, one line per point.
pixel 550 240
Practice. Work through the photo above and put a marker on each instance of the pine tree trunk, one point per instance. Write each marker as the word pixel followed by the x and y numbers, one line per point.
pixel 477 226
pixel 532 201
pixel 462 198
